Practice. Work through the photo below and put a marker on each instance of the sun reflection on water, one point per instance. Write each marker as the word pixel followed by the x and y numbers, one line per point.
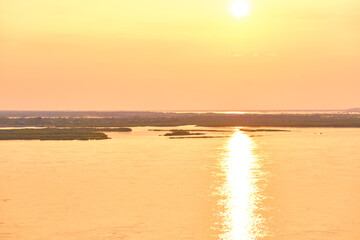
pixel 241 222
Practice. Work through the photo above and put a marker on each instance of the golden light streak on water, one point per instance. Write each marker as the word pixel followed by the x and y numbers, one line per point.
pixel 241 221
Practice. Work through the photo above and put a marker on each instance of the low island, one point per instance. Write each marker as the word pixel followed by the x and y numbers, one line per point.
pixel 181 133
pixel 58 133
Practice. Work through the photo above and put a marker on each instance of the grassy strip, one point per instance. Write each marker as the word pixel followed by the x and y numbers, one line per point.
pixel 51 134
pixel 182 133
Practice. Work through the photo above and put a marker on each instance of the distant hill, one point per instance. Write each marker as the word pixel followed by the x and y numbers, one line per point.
pixel 353 110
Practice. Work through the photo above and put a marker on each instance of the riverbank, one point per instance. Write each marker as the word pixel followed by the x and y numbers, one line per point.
pixel 52 134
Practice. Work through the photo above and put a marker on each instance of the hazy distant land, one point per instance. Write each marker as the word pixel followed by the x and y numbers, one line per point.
pixel 121 114
pixel 91 126
pixel 161 119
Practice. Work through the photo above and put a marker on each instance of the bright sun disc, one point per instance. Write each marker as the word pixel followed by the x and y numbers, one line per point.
pixel 240 8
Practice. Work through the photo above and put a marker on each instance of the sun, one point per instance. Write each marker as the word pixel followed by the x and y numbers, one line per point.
pixel 240 8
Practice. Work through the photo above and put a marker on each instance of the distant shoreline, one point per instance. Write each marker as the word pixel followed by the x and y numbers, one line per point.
pixel 102 114
pixel 148 119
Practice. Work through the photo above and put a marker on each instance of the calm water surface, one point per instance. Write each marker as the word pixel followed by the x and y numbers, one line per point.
pixel 270 185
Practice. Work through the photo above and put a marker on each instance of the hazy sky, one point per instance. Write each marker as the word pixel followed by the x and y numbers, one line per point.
pixel 179 54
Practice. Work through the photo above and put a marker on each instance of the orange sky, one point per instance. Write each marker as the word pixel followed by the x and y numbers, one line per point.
pixel 178 54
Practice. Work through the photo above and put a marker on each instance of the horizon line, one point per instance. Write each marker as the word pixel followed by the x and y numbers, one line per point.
pixel 183 110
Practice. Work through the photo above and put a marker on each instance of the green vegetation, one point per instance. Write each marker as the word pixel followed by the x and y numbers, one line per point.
pixel 51 134
pixel 181 133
